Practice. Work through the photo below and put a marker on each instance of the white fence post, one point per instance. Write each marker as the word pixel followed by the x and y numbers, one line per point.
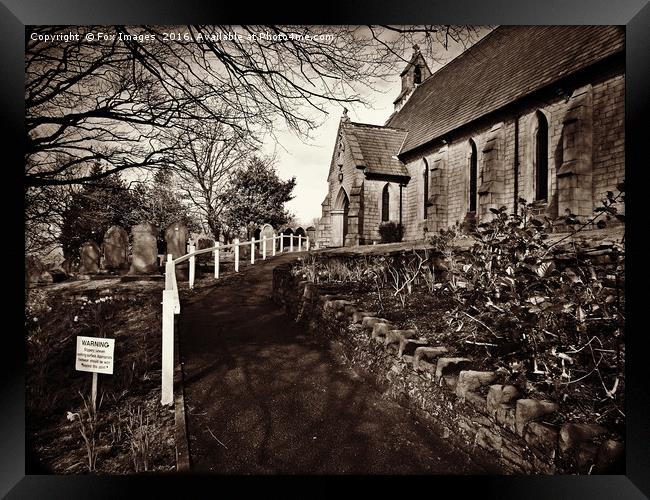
pixel 299 242
pixel 169 270
pixel 281 236
pixel 291 242
pixel 273 245
pixel 236 243
pixel 307 244
pixel 192 265
pixel 216 260
pixel 253 251
pixel 263 247
pixel 167 391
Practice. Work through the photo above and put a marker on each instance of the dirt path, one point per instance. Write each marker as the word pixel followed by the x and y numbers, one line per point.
pixel 262 397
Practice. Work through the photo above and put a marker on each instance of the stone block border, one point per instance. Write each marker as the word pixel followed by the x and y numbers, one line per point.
pixel 473 407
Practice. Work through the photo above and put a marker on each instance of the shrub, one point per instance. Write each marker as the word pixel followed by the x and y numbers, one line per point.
pixel 390 232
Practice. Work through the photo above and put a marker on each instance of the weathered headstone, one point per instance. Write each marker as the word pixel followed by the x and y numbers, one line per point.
pixel 201 243
pixel 70 266
pixel 46 277
pixel 33 269
pixel 204 242
pixel 116 248
pixel 144 258
pixel 89 257
pixel 268 232
pixel 176 238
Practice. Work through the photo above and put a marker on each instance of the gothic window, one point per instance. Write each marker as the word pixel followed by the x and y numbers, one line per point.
pixel 473 174
pixel 426 188
pixel 541 158
pixel 417 74
pixel 385 204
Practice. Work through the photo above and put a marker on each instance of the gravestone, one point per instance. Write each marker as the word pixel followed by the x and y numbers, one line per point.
pixel 176 238
pixel 33 269
pixel 89 256
pixel 116 248
pixel 202 242
pixel 268 232
pixel 144 257
pixel 70 266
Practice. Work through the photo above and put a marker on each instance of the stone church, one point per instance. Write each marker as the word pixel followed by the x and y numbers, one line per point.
pixel 533 112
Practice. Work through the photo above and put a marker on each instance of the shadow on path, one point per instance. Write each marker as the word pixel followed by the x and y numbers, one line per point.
pixel 262 397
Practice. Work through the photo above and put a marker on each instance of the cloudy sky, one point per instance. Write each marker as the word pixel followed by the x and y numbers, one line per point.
pixel 309 161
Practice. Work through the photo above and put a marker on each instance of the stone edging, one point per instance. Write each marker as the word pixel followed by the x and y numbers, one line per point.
pixel 180 425
pixel 471 406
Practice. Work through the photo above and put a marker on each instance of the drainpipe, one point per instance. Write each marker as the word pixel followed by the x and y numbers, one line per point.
pixel 516 187
pixel 400 203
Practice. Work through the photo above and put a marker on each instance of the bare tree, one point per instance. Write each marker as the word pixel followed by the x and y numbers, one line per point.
pixel 202 168
pixel 114 99
pixel 109 100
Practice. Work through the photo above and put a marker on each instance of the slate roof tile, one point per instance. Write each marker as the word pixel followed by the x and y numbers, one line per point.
pixel 507 64
pixel 375 148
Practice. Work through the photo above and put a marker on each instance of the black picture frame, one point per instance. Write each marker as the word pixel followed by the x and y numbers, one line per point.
pixel 634 14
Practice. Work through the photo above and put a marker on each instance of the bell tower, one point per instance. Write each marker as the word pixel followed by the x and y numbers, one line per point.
pixel 415 72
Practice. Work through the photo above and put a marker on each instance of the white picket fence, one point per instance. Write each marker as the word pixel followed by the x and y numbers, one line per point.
pixel 171 303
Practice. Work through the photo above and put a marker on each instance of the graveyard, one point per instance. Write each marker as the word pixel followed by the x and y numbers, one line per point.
pixel 455 304
pixel 114 291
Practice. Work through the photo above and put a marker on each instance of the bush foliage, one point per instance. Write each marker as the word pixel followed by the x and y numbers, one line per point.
pixel 390 232
pixel 546 313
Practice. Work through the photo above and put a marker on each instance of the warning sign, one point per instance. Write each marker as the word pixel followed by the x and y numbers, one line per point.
pixel 95 355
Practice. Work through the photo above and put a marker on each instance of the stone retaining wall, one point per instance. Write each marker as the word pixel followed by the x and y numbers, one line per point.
pixel 468 407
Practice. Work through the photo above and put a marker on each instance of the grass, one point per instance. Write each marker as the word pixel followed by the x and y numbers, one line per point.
pixel 63 434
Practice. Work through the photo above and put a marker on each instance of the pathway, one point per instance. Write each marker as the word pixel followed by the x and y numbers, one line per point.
pixel 262 397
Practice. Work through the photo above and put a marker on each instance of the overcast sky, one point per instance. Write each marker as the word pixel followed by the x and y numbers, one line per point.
pixel 309 162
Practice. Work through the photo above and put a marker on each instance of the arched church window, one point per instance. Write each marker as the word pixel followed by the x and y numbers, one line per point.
pixel 473 175
pixel 385 204
pixel 541 158
pixel 425 199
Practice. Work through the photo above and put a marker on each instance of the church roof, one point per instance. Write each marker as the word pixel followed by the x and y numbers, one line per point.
pixel 375 148
pixel 507 64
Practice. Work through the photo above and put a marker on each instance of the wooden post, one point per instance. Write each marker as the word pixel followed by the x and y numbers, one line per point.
pixel 273 245
pixel 253 250
pixel 93 393
pixel 263 247
pixel 192 265
pixel 291 242
pixel 281 242
pixel 236 243
pixel 216 260
pixel 299 242
pixel 167 392
pixel 306 243
pixel 170 269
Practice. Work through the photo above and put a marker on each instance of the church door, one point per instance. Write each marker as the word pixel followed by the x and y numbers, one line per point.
pixel 340 219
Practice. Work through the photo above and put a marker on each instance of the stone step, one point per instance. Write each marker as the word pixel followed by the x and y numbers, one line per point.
pixel 451 366
pixel 396 336
pixel 369 322
pixel 423 355
pixel 358 315
pixel 470 380
pixel 527 410
pixel 407 347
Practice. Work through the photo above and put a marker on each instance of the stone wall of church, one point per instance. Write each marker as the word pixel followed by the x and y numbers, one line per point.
pixel 586 144
pixel 373 191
